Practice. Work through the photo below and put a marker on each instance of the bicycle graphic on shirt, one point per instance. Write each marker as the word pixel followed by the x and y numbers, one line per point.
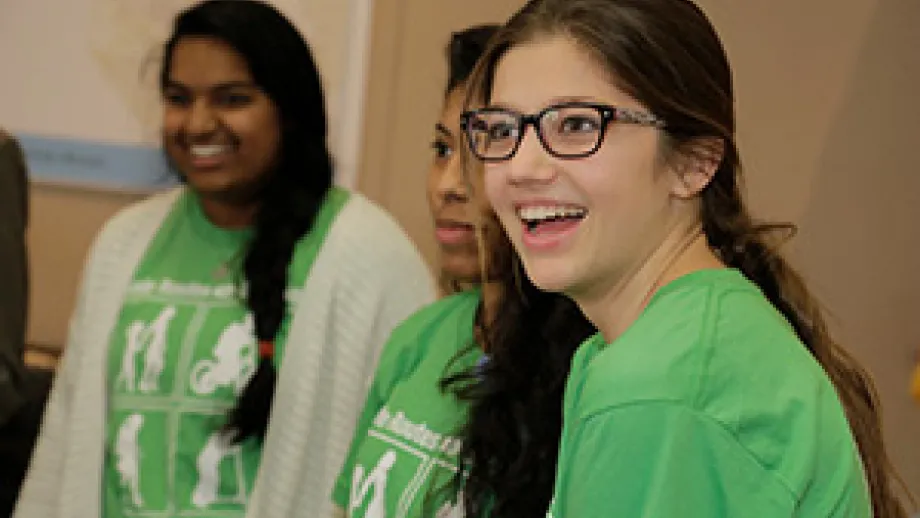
pixel 233 363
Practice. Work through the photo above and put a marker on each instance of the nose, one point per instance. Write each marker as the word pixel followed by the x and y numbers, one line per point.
pixel 451 185
pixel 531 164
pixel 201 119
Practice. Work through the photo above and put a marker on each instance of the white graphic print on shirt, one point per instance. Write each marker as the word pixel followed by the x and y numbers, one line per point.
pixel 151 340
pixel 180 361
pixel 375 483
pixel 216 450
pixel 449 510
pixel 233 363
pixel 411 456
pixel 127 453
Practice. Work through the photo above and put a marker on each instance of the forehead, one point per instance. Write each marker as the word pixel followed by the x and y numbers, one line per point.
pixel 202 61
pixel 551 69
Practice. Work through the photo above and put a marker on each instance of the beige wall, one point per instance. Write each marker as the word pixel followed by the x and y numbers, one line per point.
pixel 828 120
pixel 63 223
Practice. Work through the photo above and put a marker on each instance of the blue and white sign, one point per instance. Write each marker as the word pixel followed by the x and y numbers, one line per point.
pixel 97 164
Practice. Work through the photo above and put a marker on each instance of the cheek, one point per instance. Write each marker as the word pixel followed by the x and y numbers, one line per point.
pixel 172 126
pixel 628 198
pixel 495 187
pixel 497 197
pixel 623 174
pixel 259 130
pixel 431 185
pixel 172 122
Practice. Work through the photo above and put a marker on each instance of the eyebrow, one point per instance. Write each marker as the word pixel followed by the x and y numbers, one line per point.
pixel 442 129
pixel 551 102
pixel 219 86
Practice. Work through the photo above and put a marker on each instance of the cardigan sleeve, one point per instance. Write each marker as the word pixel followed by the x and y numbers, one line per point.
pixel 387 283
pixel 382 281
pixel 376 278
pixel 69 440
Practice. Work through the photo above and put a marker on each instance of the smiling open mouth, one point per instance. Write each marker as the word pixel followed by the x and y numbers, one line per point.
pixel 549 219
pixel 209 150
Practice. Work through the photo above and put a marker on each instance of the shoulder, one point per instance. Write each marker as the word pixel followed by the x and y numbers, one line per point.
pixel 701 338
pixel 459 307
pixel 720 349
pixel 761 382
pixel 14 201
pixel 755 363
pixel 9 144
pixel 6 138
pixel 112 259
pixel 752 345
pixel 413 338
pixel 12 165
pixel 365 224
pixel 144 213
pixel 366 243
pixel 132 226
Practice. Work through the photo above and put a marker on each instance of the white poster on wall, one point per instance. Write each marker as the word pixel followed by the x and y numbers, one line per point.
pixel 79 84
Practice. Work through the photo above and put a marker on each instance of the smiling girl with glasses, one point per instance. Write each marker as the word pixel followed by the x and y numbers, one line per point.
pixel 606 132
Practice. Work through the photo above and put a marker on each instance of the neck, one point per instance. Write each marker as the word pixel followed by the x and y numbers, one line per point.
pixel 228 215
pixel 616 307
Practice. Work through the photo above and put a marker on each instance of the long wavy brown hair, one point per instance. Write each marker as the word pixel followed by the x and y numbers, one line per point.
pixel 667 55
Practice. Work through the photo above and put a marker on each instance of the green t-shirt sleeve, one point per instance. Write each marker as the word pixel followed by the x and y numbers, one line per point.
pixel 401 355
pixel 660 460
pixel 398 357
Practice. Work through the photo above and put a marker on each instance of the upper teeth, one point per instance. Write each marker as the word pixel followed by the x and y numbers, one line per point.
pixel 541 213
pixel 208 151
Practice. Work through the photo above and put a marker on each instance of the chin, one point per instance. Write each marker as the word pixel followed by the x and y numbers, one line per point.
pixel 549 275
pixel 224 188
pixel 460 270
pixel 461 276
pixel 215 181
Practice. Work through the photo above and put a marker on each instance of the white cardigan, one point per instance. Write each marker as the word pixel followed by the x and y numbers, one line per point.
pixel 366 279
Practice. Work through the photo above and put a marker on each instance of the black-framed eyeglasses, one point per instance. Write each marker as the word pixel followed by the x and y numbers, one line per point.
pixel 568 130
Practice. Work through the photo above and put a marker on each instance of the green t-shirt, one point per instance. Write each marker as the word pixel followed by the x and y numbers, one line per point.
pixel 707 406
pixel 181 351
pixel 404 456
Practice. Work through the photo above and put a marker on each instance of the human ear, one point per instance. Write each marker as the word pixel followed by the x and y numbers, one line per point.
pixel 696 165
